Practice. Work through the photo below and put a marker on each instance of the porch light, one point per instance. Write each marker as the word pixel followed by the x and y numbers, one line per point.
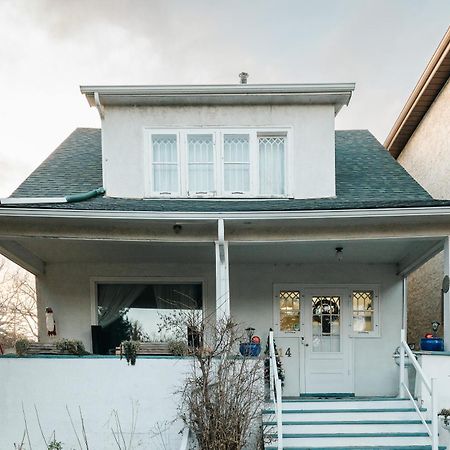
pixel 339 253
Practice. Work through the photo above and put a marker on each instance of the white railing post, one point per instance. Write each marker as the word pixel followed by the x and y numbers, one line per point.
pixel 434 416
pixel 272 375
pixel 275 390
pixel 402 393
pixel 279 416
pixel 185 439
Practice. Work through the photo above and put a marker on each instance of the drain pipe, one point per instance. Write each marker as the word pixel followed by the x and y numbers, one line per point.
pixel 46 200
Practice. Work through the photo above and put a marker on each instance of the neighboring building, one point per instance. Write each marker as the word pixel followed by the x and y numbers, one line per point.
pixel 420 141
pixel 246 201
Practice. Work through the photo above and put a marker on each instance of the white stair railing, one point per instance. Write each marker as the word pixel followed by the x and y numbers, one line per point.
pixel 430 386
pixel 275 390
pixel 185 439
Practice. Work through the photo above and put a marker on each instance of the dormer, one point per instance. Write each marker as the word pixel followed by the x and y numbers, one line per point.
pixel 219 141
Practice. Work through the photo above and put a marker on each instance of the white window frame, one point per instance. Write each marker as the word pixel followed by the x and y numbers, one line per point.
pixel 216 159
pixel 376 317
pixel 218 142
pixel 148 164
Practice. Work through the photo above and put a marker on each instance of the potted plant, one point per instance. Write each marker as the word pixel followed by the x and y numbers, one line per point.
pixel 444 415
pixel 130 349
pixel 253 346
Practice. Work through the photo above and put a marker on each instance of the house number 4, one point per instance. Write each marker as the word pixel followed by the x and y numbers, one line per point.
pixel 288 352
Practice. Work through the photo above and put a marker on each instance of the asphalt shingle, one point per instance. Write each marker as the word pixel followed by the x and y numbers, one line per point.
pixel 366 177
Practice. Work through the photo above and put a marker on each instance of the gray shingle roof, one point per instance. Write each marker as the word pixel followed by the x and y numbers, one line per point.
pixel 366 177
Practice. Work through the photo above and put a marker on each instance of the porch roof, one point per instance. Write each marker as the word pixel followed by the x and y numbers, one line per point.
pixel 367 177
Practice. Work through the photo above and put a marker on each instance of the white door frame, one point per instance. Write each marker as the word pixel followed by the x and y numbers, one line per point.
pixel 346 327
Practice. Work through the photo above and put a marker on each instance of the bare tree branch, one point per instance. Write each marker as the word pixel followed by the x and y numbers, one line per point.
pixel 18 313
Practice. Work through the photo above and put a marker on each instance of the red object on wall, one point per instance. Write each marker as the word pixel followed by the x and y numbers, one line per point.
pixel 256 340
pixel 428 335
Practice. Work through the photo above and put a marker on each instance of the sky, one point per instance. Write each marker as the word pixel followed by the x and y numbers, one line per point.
pixel 48 48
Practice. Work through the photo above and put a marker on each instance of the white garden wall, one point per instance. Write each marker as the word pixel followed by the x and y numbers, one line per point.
pixel 97 386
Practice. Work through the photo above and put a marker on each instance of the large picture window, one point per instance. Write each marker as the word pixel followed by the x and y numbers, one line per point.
pixel 124 307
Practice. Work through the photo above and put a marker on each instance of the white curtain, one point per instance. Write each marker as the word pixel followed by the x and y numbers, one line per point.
pixel 165 163
pixel 113 298
pixel 201 163
pixel 271 165
pixel 236 163
pixel 175 296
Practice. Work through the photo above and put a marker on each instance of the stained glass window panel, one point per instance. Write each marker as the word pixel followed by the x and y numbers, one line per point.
pixel 363 311
pixel 289 311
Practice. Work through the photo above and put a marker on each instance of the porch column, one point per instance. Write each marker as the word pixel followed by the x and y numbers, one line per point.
pixel 222 274
pixel 446 303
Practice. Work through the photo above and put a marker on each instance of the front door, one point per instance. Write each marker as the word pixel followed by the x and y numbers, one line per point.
pixel 327 349
pixel 312 336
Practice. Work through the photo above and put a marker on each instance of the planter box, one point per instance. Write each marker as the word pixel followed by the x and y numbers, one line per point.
pixel 150 348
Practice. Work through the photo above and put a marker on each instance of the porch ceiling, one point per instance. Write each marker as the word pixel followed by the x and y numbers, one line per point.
pixel 401 251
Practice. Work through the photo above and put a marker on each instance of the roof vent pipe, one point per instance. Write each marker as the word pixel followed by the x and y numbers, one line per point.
pixel 243 76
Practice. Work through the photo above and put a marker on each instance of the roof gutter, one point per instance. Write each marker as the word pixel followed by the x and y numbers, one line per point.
pixel 438 211
pixel 338 94
pixel 47 200
pixel 419 90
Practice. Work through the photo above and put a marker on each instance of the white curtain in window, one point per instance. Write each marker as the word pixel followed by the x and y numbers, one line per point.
pixel 201 163
pixel 114 298
pixel 271 165
pixel 165 163
pixel 236 163
pixel 175 296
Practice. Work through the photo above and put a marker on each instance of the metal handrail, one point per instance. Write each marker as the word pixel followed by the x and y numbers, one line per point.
pixel 430 385
pixel 275 390
pixel 185 439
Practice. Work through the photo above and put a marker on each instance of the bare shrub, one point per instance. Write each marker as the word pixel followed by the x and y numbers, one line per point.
pixel 223 394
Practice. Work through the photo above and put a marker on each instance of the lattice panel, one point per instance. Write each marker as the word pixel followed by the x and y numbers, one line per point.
pixel 164 148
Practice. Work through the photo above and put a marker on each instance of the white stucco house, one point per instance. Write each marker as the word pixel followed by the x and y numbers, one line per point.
pixel 245 199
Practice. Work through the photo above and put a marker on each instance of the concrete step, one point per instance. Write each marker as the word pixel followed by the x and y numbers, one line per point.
pixel 347 440
pixel 292 427
pixel 352 423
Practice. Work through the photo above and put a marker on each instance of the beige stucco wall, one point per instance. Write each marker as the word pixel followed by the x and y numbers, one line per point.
pixel 424 298
pixel 426 156
pixel 68 289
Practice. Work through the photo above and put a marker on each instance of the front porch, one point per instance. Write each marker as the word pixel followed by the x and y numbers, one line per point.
pixel 247 269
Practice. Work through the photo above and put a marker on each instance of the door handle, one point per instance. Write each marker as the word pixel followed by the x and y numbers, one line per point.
pixel 303 342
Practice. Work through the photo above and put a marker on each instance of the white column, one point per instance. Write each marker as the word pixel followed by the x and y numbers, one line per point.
pixel 222 275
pixel 446 305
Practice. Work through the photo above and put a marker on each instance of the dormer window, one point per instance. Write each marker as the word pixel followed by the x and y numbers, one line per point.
pixel 201 178
pixel 271 164
pixel 236 163
pixel 165 164
pixel 218 163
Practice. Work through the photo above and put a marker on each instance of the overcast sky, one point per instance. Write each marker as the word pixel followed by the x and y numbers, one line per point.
pixel 50 47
